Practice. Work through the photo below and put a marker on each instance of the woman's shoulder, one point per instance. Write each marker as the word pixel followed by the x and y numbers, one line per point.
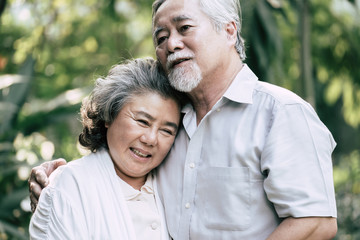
pixel 75 171
pixel 60 205
pixel 83 172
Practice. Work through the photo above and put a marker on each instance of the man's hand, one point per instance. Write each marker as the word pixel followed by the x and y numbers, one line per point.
pixel 39 178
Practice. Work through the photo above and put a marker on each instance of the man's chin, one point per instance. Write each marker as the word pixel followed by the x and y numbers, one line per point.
pixel 185 80
pixel 185 87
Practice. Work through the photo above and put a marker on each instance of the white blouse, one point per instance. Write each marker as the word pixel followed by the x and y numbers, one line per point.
pixel 143 209
pixel 86 200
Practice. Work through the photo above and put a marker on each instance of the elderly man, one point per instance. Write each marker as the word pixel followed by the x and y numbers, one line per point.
pixel 253 160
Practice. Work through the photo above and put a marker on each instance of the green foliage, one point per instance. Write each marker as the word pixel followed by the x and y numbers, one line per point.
pixel 51 52
pixel 338 42
pixel 264 46
pixel 347 179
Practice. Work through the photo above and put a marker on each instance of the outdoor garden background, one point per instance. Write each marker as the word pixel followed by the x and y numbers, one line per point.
pixel 52 51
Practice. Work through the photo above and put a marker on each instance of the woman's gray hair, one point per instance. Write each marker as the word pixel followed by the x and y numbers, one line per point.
pixel 220 12
pixel 110 94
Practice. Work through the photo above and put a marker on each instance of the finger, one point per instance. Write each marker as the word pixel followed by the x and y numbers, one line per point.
pixel 32 176
pixel 59 162
pixel 35 190
pixel 33 202
pixel 49 167
pixel 41 180
pixel 33 207
pixel 32 181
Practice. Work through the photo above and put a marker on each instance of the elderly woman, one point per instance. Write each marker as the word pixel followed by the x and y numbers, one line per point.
pixel 129 123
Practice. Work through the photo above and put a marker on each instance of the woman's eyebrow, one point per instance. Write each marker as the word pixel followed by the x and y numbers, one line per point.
pixel 151 118
pixel 172 124
pixel 144 114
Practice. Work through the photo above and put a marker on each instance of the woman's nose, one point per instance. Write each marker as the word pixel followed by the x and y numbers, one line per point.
pixel 149 137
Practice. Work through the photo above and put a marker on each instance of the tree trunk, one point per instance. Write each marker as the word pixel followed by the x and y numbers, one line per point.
pixel 306 79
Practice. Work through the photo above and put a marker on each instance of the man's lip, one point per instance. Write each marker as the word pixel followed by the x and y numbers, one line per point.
pixel 178 61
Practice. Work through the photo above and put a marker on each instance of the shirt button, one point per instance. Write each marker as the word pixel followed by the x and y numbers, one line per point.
pixel 187 205
pixel 154 226
pixel 192 165
pixel 218 109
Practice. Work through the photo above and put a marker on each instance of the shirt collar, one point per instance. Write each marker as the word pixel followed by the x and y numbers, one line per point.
pixel 131 193
pixel 241 89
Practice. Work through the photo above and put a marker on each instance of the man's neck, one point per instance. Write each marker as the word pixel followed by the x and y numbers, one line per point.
pixel 212 88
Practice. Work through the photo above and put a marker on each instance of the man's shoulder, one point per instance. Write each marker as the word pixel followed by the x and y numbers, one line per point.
pixel 278 94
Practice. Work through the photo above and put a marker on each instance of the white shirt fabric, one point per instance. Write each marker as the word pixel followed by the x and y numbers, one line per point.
pixel 85 200
pixel 261 154
pixel 143 209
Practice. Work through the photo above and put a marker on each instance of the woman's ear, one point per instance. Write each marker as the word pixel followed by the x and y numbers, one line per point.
pixel 106 125
pixel 231 32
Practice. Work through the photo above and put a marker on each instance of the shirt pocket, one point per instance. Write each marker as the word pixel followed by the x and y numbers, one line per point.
pixel 224 198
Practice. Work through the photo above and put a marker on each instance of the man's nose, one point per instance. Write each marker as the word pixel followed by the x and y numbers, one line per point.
pixel 175 42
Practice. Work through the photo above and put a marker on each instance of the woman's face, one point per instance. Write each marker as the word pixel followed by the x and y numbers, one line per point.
pixel 142 134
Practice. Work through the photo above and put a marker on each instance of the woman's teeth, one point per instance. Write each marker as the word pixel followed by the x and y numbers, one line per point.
pixel 139 153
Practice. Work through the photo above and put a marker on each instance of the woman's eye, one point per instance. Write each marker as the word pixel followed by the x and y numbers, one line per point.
pixel 168 132
pixel 143 122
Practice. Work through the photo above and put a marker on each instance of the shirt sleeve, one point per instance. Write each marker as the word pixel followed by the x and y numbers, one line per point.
pixel 297 162
pixel 56 218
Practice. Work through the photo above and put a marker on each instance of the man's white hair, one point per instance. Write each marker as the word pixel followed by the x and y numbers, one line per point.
pixel 220 12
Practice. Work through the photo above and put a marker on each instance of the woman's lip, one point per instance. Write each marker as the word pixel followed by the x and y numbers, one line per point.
pixel 140 153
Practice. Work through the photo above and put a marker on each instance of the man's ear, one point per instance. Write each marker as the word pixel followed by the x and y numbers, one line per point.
pixel 231 32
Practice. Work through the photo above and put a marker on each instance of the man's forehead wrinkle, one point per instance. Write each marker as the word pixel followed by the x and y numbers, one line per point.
pixel 175 19
pixel 181 17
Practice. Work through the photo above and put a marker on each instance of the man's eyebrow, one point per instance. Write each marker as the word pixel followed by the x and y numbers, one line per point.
pixel 157 31
pixel 180 18
pixel 176 19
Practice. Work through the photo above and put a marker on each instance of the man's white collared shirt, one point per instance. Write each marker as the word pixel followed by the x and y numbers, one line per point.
pixel 261 154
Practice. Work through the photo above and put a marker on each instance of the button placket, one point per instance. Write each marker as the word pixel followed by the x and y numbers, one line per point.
pixel 154 226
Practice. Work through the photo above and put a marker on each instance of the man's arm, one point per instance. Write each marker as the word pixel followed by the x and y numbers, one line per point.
pixel 308 228
pixel 39 178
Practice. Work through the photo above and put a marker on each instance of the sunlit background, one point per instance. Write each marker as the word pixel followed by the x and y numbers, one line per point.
pixel 52 51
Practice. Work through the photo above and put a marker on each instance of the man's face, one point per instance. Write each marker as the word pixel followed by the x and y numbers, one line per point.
pixel 187 45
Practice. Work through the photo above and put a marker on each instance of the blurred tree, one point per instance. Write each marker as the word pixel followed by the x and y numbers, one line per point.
pixel 2 6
